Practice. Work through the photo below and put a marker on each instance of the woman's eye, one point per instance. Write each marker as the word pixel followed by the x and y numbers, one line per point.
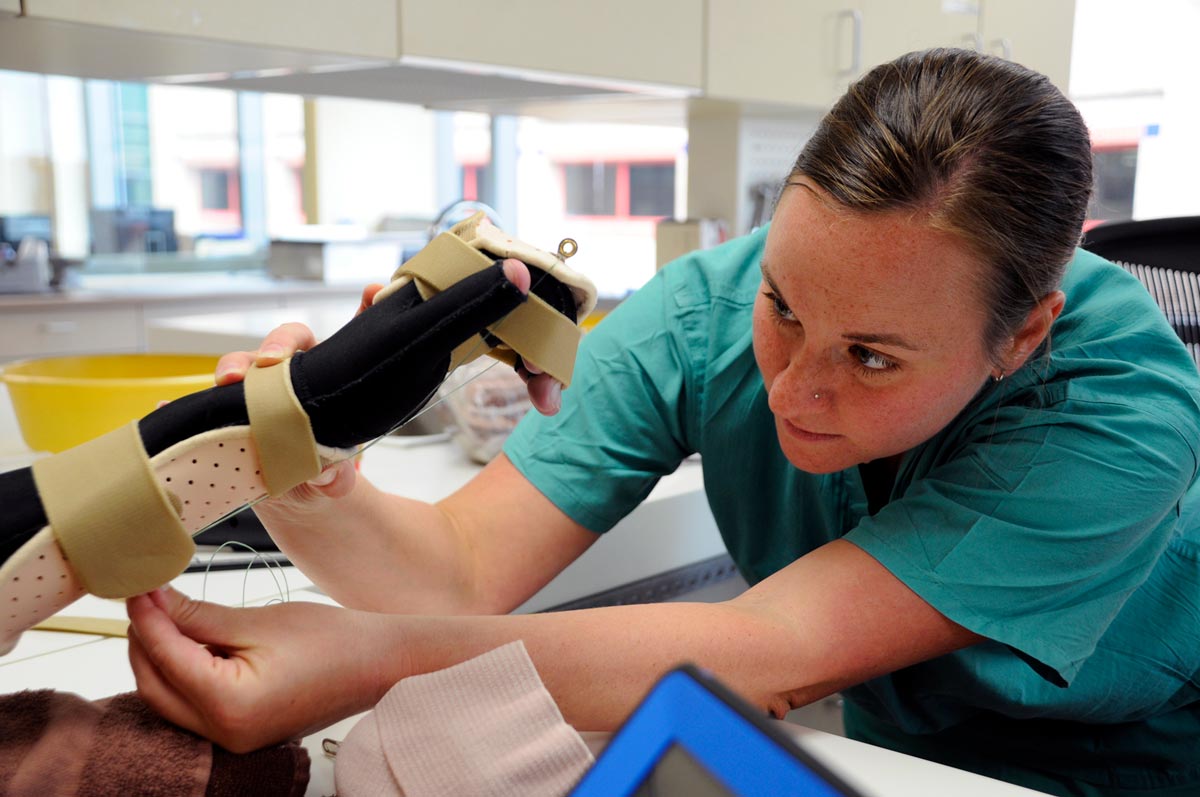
pixel 872 361
pixel 780 308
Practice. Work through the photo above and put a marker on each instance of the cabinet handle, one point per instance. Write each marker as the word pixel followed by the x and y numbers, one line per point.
pixel 1005 48
pixel 60 327
pixel 856 22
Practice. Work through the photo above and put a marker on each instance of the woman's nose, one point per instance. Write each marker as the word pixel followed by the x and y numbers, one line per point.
pixel 803 386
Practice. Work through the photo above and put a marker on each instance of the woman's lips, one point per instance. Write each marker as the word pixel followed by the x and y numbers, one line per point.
pixel 805 435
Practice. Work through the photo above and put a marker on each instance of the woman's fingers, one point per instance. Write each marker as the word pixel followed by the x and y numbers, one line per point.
pixel 158 692
pixel 247 677
pixel 546 394
pixel 173 672
pixel 173 632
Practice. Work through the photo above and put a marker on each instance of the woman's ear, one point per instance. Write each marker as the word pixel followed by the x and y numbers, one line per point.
pixel 1034 330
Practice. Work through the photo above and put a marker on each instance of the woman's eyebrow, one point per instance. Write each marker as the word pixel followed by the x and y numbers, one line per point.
pixel 867 338
pixel 766 275
pixel 880 338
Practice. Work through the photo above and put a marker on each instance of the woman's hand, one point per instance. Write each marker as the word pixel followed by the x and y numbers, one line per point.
pixel 247 678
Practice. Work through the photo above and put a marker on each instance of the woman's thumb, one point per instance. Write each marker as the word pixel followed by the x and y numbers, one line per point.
pixel 202 622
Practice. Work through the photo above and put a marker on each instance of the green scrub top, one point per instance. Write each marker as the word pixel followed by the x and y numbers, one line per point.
pixel 1057 516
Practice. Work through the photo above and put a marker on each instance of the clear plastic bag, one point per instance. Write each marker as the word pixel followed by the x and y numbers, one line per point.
pixel 486 400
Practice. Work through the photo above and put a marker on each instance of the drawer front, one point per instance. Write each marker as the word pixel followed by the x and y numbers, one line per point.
pixel 37 333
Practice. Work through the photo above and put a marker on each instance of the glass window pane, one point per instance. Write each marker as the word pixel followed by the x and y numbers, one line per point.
pixel 1114 171
pixel 284 156
pixel 591 189
pixel 194 144
pixel 652 189
pixel 214 189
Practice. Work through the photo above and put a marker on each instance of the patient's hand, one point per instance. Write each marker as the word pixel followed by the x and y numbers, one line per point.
pixel 545 392
pixel 282 342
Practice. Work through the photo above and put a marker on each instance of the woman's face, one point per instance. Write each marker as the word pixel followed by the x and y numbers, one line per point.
pixel 866 329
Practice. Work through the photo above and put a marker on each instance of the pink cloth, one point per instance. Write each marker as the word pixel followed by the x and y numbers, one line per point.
pixel 485 726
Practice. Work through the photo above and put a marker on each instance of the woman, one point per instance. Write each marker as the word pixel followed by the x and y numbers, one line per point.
pixel 953 456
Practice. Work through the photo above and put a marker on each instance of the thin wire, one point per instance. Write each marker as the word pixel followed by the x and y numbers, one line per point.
pixel 285 593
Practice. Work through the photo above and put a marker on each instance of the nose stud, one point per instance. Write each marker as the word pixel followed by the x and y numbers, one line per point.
pixel 816 395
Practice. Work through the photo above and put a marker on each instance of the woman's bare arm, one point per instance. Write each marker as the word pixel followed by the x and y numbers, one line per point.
pixel 483 550
pixel 248 677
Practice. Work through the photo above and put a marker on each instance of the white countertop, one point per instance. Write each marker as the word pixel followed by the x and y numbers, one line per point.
pixel 116 289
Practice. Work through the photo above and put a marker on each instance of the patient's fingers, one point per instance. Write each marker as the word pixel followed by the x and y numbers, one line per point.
pixel 233 366
pixel 517 273
pixel 279 344
pixel 368 296
pixel 282 342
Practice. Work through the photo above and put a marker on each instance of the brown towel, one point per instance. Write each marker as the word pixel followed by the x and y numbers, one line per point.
pixel 54 743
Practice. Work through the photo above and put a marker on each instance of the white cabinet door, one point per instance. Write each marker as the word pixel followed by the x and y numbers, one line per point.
pixel 807 53
pixel 776 51
pixel 364 28
pixel 891 29
pixel 1035 33
pixel 656 42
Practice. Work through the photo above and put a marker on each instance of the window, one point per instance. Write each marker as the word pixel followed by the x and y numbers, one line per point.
pixel 477 182
pixel 591 189
pixel 620 190
pixel 1114 169
pixel 652 189
pixel 214 189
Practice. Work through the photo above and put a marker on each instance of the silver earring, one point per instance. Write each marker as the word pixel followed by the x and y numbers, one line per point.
pixel 998 379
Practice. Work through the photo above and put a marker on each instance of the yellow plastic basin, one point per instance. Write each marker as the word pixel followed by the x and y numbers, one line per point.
pixel 61 402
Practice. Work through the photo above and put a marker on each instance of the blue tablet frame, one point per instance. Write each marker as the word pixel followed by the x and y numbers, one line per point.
pixel 736 745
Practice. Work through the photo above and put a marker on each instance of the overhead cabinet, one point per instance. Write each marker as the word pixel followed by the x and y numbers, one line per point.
pixel 506 57
pixel 493 57
pixel 147 41
pixel 1035 33
pixel 655 42
pixel 805 54
pixel 365 28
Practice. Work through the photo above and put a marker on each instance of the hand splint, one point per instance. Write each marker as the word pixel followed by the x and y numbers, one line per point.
pixel 115 516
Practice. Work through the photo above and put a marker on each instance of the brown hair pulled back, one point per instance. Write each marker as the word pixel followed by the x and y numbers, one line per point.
pixel 990 150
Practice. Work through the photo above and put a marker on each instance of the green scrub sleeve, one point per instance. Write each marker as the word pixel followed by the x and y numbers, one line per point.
pixel 622 424
pixel 1036 533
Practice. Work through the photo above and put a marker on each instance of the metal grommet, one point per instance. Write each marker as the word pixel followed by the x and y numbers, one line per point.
pixel 567 247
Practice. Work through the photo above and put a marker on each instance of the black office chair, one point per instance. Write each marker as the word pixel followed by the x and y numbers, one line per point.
pixel 1164 254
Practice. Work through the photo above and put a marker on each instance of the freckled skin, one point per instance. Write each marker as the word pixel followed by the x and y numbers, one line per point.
pixel 838 273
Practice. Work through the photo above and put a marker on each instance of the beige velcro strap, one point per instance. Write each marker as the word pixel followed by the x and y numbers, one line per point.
pixel 99 626
pixel 287 449
pixel 115 523
pixel 534 330
pixel 445 261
